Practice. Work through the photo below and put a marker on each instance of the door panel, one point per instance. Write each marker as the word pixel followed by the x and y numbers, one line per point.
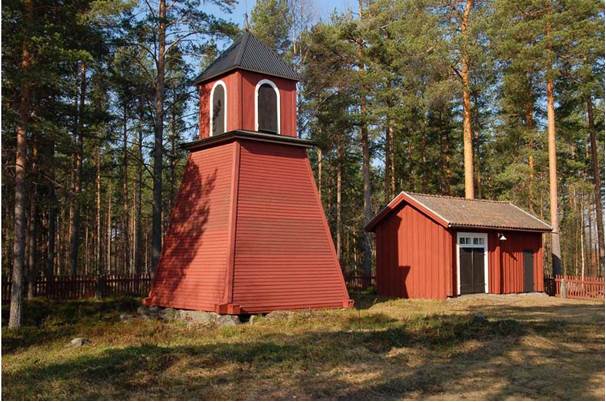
pixel 472 269
pixel 528 271
pixel 466 265
pixel 478 270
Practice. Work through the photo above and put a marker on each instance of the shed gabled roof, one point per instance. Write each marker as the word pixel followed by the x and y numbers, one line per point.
pixel 248 53
pixel 465 213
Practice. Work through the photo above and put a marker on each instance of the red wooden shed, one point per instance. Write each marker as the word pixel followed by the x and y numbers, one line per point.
pixel 433 247
pixel 248 232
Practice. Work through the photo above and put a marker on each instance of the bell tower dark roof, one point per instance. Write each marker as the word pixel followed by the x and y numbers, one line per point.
pixel 248 53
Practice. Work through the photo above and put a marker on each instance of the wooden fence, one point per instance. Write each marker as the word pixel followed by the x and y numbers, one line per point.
pixel 81 287
pixel 575 287
pixel 359 282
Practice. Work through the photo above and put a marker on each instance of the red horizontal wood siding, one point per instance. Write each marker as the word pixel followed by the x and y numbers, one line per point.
pixel 284 256
pixel 192 269
pixel 414 256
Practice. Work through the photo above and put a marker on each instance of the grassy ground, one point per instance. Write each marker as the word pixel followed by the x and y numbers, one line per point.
pixel 531 347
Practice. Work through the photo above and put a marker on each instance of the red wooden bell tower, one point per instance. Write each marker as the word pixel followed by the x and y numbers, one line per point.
pixel 248 232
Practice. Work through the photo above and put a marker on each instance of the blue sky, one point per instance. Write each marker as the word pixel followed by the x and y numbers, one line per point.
pixel 321 9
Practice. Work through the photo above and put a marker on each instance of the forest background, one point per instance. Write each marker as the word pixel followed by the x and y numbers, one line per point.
pixel 453 97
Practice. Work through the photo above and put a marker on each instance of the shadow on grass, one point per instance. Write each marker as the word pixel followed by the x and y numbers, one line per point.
pixel 121 372
pixel 578 312
pixel 369 358
pixel 48 321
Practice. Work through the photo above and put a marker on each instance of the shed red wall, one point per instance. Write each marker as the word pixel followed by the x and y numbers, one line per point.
pixel 284 255
pixel 241 102
pixel 193 265
pixel 414 256
pixel 506 261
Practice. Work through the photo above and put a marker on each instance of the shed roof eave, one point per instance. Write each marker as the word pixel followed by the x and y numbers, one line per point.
pixel 503 228
pixel 395 203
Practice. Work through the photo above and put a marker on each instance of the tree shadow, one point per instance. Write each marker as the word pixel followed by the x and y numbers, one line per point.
pixel 47 321
pixel 317 364
pixel 372 356
pixel 188 222
pixel 577 312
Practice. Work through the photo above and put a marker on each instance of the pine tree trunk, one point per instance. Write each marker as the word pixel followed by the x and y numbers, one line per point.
pixel 158 136
pixel 32 240
pixel 582 237
pixel 319 151
pixel 467 132
pixel 340 156
pixel 597 183
pixel 77 174
pixel 98 265
pixel 108 245
pixel 52 220
pixel 530 126
pixel 125 204
pixel 32 227
pixel 553 181
pixel 367 206
pixel 16 304
pixel 138 230
pixel 388 161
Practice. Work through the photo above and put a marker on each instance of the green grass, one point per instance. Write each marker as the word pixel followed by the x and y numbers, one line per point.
pixel 531 347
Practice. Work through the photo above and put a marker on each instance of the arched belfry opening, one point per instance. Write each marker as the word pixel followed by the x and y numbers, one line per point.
pixel 267 107
pixel 248 232
pixel 218 112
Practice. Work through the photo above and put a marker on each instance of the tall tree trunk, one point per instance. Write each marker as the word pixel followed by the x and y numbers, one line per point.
pixel 477 178
pixel 467 132
pixel 33 244
pixel 389 179
pixel 553 181
pixel 319 152
pixel 158 136
pixel 125 204
pixel 52 220
pixel 98 235
pixel 32 227
pixel 77 174
pixel 530 126
pixel 367 206
pixel 173 157
pixel 138 229
pixel 582 236
pixel 15 313
pixel 98 265
pixel 597 183
pixel 340 157
pixel 108 245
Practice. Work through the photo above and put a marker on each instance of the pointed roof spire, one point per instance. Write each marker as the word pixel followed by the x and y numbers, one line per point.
pixel 248 53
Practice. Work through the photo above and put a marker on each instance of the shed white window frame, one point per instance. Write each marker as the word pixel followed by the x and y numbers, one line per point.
pixel 212 104
pixel 277 91
pixel 472 236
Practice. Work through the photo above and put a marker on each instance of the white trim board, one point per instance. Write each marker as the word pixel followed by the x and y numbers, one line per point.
pixel 212 103
pixel 277 91
pixel 483 246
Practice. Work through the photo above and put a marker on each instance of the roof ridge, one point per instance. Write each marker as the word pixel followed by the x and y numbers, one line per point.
pixel 245 39
pixel 457 198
